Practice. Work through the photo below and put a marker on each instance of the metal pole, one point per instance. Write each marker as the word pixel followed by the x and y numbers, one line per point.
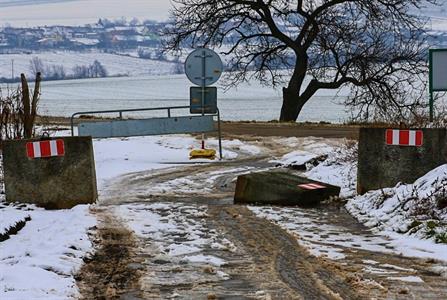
pixel 203 91
pixel 431 107
pixel 430 83
pixel 220 134
pixel 72 125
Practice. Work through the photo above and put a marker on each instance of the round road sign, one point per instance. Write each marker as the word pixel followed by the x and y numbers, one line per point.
pixel 203 67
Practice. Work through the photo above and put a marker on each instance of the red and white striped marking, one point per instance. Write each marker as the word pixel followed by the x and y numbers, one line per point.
pixel 311 186
pixel 44 149
pixel 396 137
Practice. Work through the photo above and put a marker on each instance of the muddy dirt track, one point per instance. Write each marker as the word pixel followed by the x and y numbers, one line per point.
pixel 262 260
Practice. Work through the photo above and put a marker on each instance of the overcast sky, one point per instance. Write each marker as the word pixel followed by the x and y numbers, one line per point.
pixel 78 12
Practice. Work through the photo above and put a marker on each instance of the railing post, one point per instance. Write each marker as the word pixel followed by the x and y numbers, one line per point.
pixel 72 124
pixel 220 134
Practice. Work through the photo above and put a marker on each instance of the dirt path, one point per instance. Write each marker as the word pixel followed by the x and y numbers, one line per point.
pixel 285 269
pixel 262 259
pixel 113 271
pixel 289 130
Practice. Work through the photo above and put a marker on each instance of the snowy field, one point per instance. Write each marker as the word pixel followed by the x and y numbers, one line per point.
pixel 116 65
pixel 249 101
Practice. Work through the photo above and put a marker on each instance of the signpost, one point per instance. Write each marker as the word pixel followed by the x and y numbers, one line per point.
pixel 203 67
pixel 438 75
pixel 209 103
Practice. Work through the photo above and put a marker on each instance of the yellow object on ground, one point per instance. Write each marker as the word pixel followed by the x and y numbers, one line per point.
pixel 203 153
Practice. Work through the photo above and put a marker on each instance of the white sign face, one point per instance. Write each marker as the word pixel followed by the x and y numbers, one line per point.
pixel 203 67
pixel 439 70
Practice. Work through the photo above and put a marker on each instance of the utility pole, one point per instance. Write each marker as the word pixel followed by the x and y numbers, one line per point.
pixel 12 69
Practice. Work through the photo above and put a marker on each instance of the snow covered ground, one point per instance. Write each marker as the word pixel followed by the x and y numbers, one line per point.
pixel 114 64
pixel 411 218
pixel 40 261
pixel 249 101
pixel 52 244
pixel 326 162
pixel 155 152
pixel 418 209
pixel 321 239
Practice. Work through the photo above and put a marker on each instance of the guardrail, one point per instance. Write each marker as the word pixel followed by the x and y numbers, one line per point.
pixel 169 116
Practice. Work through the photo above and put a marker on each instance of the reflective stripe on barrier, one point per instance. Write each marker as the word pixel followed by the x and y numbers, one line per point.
pixel 43 149
pixel 311 186
pixel 404 137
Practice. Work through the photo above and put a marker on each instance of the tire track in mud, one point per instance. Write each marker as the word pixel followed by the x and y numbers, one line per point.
pixel 113 272
pixel 284 268
pixel 138 185
pixel 273 261
pixel 269 259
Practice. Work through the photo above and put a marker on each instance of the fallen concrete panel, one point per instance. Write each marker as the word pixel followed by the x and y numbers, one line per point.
pixel 281 188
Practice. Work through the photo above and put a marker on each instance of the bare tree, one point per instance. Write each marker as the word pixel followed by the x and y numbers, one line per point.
pixel 55 72
pixel 375 46
pixel 97 69
pixel 36 66
pixel 11 111
pixel 80 71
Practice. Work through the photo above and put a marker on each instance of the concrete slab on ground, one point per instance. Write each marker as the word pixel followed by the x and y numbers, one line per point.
pixel 279 188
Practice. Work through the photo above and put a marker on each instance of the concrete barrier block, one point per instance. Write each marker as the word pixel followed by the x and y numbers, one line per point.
pixel 382 165
pixel 280 188
pixel 58 173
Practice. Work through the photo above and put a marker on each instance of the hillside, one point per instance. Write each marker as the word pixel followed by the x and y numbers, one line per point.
pixel 116 65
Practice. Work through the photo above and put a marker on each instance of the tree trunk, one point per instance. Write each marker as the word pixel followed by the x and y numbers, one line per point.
pixel 29 105
pixel 26 107
pixel 35 100
pixel 291 106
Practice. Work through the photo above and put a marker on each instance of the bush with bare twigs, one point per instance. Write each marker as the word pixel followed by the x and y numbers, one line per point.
pixel 18 110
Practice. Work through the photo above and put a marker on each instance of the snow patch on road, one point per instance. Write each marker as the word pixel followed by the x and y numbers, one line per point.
pixel 415 279
pixel 115 157
pixel 178 230
pixel 312 229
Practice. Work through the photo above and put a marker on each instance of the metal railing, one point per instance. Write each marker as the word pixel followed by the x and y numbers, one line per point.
pixel 169 115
